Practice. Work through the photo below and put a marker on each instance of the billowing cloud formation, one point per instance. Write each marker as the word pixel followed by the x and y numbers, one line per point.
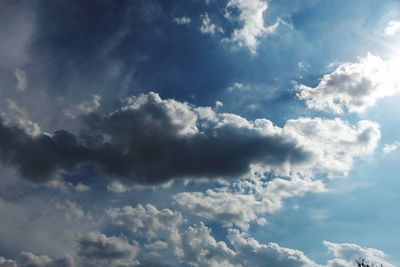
pixel 159 229
pixel 168 238
pixel 152 140
pixel 353 87
pixel 251 17
pixel 251 253
pixel 346 254
pixel 250 200
pixel 97 249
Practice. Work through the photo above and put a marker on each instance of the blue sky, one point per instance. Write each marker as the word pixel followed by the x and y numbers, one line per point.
pixel 199 133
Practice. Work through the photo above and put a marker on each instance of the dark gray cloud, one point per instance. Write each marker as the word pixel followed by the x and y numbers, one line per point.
pixel 143 142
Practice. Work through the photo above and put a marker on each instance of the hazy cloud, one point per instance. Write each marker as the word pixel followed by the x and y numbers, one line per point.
pixel 207 26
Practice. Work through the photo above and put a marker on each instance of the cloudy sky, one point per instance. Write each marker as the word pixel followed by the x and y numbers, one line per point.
pixel 199 133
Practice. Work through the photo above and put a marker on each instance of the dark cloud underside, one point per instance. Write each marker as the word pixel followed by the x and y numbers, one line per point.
pixel 145 145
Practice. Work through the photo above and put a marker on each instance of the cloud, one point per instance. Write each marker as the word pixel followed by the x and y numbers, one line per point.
pixel 335 143
pixel 392 28
pixel 201 249
pixel 7 263
pixel 97 249
pixel 353 87
pixel 158 228
pixel 182 20
pixel 251 17
pixel 83 108
pixel 245 201
pixel 165 236
pixel 251 253
pixel 207 26
pixel 27 259
pixel 20 75
pixel 389 148
pixel 347 254
pixel 150 140
pixel 117 187
pixel 71 210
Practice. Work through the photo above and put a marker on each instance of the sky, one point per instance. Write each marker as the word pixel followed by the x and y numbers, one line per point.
pixel 199 133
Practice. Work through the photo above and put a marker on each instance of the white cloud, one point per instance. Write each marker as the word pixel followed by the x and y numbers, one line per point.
pixel 117 187
pixel 346 254
pixel 207 26
pixel 245 201
pixel 83 108
pixel 20 75
pixel 392 28
pixel 353 87
pixel 201 249
pixel 251 17
pixel 389 148
pixel 150 223
pixel 236 86
pixel 333 147
pixel 251 253
pixel 182 20
pixel 18 116
pixel 334 143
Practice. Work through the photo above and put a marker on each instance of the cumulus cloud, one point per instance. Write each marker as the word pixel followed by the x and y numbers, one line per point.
pixel 201 249
pixel 158 228
pixel 346 254
pixel 245 201
pixel 353 87
pixel 334 145
pixel 117 187
pixel 251 18
pixel 169 238
pixel 97 249
pixel 251 253
pixel 152 140
pixel 389 148
pixel 392 27
pixel 15 114
pixel 207 26
pixel 182 20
